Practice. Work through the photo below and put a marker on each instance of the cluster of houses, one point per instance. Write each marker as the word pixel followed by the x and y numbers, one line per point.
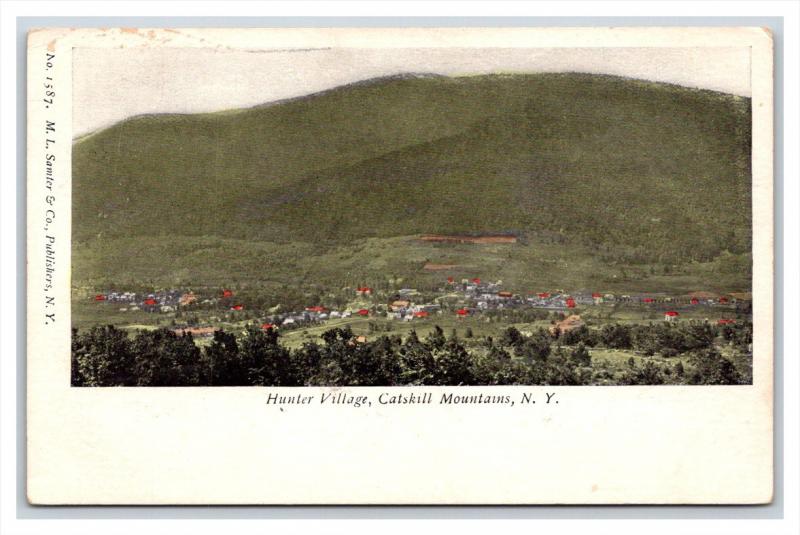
pixel 312 314
pixel 464 298
pixel 161 301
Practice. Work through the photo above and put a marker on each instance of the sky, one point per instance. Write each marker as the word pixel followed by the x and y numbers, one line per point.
pixel 112 84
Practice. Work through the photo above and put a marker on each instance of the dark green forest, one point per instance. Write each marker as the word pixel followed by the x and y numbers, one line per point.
pixel 107 356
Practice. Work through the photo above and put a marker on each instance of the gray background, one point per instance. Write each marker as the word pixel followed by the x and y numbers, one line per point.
pixel 27 511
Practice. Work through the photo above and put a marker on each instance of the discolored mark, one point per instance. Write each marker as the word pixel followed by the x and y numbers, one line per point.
pixel 151 34
pixel 129 30
pixel 51 46
pixel 594 488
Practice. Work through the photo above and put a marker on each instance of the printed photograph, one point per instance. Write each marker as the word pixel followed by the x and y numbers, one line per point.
pixel 411 216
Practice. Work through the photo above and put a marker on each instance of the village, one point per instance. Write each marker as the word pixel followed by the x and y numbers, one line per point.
pixel 461 299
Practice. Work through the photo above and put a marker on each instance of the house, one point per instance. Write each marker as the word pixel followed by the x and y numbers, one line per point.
pixel 150 302
pixel 570 302
pixel 202 332
pixel 671 315
pixel 288 321
pixel 450 280
pixel 703 295
pixel 187 299
pixel 99 297
pixel 694 301
pixel 420 314
pixel 723 300
pixel 461 312
pixel 543 295
pixel 363 312
pixel 364 290
pixel 647 300
pixel 267 326
pixel 335 314
pixel 725 321
pixel 399 304
pixel 316 309
pixel 227 293
pixel 567 324
pixel 167 308
pixel 361 339
pixel 741 296
pixel 597 298
pixel 505 295
pixel 237 307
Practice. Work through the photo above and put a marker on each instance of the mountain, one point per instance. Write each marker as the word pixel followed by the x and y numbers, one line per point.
pixel 632 171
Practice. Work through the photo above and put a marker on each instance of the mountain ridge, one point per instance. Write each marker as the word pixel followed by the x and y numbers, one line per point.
pixel 642 170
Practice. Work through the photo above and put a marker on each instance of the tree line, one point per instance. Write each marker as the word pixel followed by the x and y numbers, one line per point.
pixel 108 356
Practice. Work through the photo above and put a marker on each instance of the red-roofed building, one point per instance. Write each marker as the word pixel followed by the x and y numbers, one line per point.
pixel 723 300
pixel 671 315
pixel 647 300
pixel 725 321
pixel 316 309
pixel 450 280
pixel 570 302
pixel 267 326
pixel 364 290
pixel 421 314
pixel 99 297
pixel 462 312
pixel 505 294
pixel 694 301
pixel 543 295
pixel 363 312
pixel 237 307
pixel 227 293
pixel 598 298
pixel 476 280
pixel 150 301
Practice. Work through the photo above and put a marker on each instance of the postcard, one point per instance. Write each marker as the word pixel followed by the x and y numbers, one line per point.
pixel 400 266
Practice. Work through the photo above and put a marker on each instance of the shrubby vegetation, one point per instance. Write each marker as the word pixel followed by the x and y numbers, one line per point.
pixel 107 356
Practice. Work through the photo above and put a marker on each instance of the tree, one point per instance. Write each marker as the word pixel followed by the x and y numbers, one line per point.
pixel 164 358
pixel 267 362
pixel 511 337
pixel 648 374
pixel 102 357
pixel 616 336
pixel 416 361
pixel 453 365
pixel 221 363
pixel 711 368
pixel 535 347
pixel 580 355
pixel 582 334
pixel 436 339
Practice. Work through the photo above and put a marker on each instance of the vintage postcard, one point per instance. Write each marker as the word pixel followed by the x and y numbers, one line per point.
pixel 400 266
